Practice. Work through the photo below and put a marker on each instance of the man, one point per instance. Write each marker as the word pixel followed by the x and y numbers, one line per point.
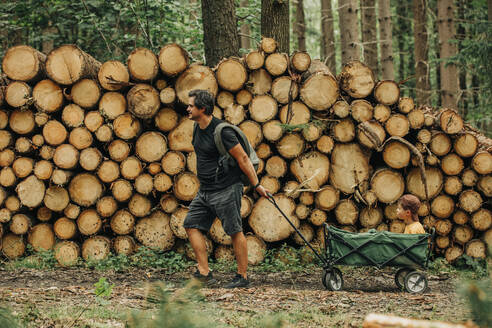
pixel 220 192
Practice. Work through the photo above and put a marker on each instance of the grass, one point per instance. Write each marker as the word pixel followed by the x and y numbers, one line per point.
pixel 100 310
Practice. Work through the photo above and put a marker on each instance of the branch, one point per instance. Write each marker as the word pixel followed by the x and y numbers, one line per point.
pixel 97 27
pixel 141 26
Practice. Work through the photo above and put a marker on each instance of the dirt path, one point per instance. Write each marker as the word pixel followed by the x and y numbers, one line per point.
pixel 366 290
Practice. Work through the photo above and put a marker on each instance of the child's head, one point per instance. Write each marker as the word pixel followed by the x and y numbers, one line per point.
pixel 408 208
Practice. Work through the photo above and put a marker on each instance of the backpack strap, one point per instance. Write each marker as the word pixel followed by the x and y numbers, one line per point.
pixel 195 128
pixel 225 159
pixel 218 138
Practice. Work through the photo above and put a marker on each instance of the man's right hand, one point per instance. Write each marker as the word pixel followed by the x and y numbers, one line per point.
pixel 262 191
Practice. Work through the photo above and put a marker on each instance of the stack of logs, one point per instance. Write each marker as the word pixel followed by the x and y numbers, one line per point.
pixel 98 158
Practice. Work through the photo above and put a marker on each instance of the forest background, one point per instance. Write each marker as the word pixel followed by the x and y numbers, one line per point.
pixel 439 50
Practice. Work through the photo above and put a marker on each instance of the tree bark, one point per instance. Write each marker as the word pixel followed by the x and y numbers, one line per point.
pixel 347 9
pixel 421 52
pixel 489 5
pixel 245 30
pixel 449 74
pixel 461 35
pixel 328 53
pixel 300 26
pixel 275 22
pixel 369 34
pixel 386 35
pixel 219 30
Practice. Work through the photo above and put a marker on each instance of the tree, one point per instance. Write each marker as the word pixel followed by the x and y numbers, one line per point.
pixel 421 49
pixel 461 34
pixel 220 36
pixel 300 26
pixel 449 76
pixel 327 35
pixel 245 35
pixel 386 40
pixel 349 30
pixel 275 22
pixel 369 34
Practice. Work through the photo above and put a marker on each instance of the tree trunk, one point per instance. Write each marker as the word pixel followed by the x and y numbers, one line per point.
pixel 68 64
pixel 113 75
pixel 195 77
pixel 231 74
pixel 349 33
pixel 386 321
pixel 275 22
pixel 463 101
pixel 67 253
pixel 265 216
pixel 346 212
pixel 388 185
pixel 300 26
pixel 124 245
pixel 421 52
pixel 369 34
pixel 449 74
pixel 219 30
pixel 245 37
pixel 173 59
pixel 311 169
pixel 349 167
pixel 328 53
pixel 319 89
pixel 23 63
pixel 357 79
pixel 386 40
pixel 96 248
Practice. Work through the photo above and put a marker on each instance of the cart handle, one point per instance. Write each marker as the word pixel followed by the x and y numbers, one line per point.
pixel 321 258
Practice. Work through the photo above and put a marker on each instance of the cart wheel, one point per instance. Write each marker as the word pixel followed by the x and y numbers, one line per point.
pixel 332 279
pixel 415 282
pixel 400 277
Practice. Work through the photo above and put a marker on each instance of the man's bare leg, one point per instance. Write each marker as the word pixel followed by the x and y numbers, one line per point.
pixel 241 251
pixel 198 244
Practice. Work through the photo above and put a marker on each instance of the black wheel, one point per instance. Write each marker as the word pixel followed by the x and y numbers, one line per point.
pixel 415 282
pixel 332 279
pixel 400 277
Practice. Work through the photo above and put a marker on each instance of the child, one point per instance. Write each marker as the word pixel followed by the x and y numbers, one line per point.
pixel 408 207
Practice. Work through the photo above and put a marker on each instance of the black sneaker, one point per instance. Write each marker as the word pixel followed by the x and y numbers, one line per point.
pixel 238 282
pixel 207 280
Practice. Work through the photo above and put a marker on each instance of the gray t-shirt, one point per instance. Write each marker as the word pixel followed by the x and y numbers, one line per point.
pixel 207 157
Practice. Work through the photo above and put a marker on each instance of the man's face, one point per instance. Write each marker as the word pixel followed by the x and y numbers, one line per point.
pixel 193 112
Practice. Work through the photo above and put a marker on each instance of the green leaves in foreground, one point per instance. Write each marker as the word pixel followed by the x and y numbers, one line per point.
pixel 174 310
pixel 479 296
pixel 7 319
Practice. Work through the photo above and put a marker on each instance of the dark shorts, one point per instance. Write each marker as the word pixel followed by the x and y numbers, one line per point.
pixel 224 204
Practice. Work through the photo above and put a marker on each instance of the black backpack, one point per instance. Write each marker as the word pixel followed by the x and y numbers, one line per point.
pixel 226 161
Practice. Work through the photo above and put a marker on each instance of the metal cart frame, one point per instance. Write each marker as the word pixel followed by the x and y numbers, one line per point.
pixel 406 277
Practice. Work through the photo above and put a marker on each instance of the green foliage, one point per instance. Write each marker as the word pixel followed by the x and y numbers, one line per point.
pixel 144 258
pixel 7 319
pixel 439 266
pixel 284 258
pixel 295 127
pixel 103 290
pixel 474 59
pixel 479 296
pixel 107 29
pixel 174 311
pixel 478 267
pixel 43 260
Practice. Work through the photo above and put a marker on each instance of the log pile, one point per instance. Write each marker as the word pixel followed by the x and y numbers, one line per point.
pixel 97 157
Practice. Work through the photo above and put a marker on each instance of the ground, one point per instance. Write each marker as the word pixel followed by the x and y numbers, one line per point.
pixel 55 298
